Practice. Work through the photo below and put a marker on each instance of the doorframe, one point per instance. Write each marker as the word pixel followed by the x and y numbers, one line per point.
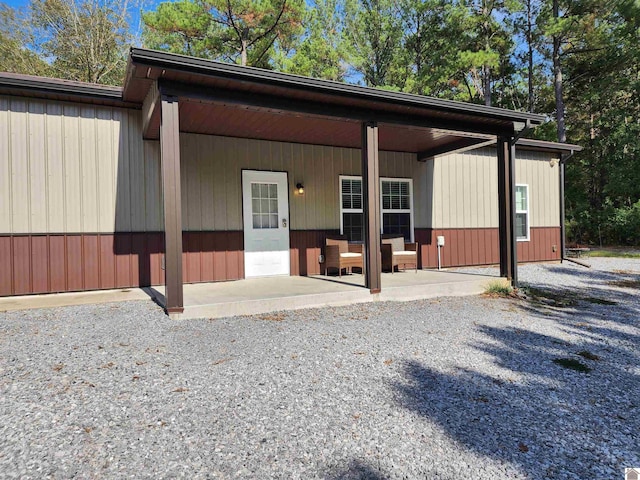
pixel 242 214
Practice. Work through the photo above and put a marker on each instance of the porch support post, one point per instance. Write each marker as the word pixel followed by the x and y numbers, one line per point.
pixel 371 206
pixel 506 209
pixel 170 160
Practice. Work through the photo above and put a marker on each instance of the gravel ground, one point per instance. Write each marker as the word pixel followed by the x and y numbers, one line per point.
pixel 446 388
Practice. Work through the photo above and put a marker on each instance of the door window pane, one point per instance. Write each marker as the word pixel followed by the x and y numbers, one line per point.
pixel 264 204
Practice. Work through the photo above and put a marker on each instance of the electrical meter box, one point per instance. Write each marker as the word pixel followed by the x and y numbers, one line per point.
pixel 441 240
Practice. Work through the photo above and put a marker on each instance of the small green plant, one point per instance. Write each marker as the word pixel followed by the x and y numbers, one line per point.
pixel 588 355
pixel 572 364
pixel 498 288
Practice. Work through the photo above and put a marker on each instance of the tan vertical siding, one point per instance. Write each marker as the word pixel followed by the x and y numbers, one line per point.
pixel 75 168
pixel 5 167
pixel 465 189
pixel 542 176
pixel 212 190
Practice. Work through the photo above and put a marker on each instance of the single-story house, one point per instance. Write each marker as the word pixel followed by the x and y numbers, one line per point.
pixel 200 171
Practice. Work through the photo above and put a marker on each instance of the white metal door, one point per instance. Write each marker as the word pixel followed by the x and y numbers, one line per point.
pixel 265 206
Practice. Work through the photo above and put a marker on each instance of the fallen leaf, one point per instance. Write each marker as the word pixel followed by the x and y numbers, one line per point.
pixel 181 389
pixel 522 447
pixel 58 367
pixel 388 361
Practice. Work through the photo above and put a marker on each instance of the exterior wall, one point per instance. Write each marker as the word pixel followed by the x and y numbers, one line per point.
pixel 74 168
pixel 80 198
pixel 81 204
pixel 212 172
pixel 465 208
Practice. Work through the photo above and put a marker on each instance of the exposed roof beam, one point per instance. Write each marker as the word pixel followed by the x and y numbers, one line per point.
pixel 457 146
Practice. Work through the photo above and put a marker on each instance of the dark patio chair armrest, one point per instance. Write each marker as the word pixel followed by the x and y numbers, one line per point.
pixel 411 247
pixel 332 253
pixel 355 248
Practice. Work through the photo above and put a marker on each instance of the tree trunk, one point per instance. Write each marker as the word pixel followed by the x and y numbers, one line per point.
pixel 530 52
pixel 557 80
pixel 243 53
pixel 486 84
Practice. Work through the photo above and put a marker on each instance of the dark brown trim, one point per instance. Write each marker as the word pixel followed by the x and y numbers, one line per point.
pixel 199 66
pixel 506 208
pixel 371 206
pixel 170 165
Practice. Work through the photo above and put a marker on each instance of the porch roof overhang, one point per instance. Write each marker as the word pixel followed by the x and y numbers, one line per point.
pixel 230 100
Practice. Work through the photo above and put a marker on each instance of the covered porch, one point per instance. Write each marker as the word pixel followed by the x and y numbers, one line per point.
pixel 188 96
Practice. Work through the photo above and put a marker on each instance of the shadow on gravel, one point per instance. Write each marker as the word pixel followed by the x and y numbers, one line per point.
pixel 357 470
pixel 546 420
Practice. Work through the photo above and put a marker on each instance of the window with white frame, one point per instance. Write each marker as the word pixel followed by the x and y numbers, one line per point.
pixel 351 208
pixel 397 206
pixel 396 200
pixel 522 212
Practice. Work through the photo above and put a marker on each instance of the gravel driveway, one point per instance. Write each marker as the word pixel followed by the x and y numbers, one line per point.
pixel 446 388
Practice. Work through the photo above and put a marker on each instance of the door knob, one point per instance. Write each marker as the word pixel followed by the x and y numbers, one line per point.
pixel 284 223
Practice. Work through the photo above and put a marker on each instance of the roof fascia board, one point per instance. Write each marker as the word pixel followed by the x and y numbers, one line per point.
pixel 236 98
pixel 530 144
pixel 176 62
pixel 59 88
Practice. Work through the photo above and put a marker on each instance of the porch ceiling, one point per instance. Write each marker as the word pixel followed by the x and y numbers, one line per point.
pixel 268 124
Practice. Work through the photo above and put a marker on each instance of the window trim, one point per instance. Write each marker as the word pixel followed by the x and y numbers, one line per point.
pixel 347 210
pixel 527 212
pixel 402 210
pixel 382 211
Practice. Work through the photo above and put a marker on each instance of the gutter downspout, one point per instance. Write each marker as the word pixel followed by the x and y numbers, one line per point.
pixel 563 160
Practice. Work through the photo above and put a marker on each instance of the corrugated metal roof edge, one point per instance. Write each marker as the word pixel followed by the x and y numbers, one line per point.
pixel 202 66
pixel 548 146
pixel 60 86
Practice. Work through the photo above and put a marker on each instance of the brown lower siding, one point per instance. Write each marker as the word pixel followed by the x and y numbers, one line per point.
pixel 305 247
pixel 73 262
pixel 479 246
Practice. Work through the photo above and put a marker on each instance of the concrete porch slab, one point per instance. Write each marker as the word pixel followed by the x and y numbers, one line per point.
pixel 263 295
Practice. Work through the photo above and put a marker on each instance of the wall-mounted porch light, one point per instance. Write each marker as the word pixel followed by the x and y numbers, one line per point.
pixel 300 189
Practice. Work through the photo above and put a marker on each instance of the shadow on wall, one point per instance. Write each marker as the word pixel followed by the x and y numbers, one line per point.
pixel 138 241
pixel 546 420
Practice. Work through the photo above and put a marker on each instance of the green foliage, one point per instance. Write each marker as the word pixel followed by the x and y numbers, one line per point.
pixel 15 55
pixel 239 31
pixel 322 51
pixel 499 288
